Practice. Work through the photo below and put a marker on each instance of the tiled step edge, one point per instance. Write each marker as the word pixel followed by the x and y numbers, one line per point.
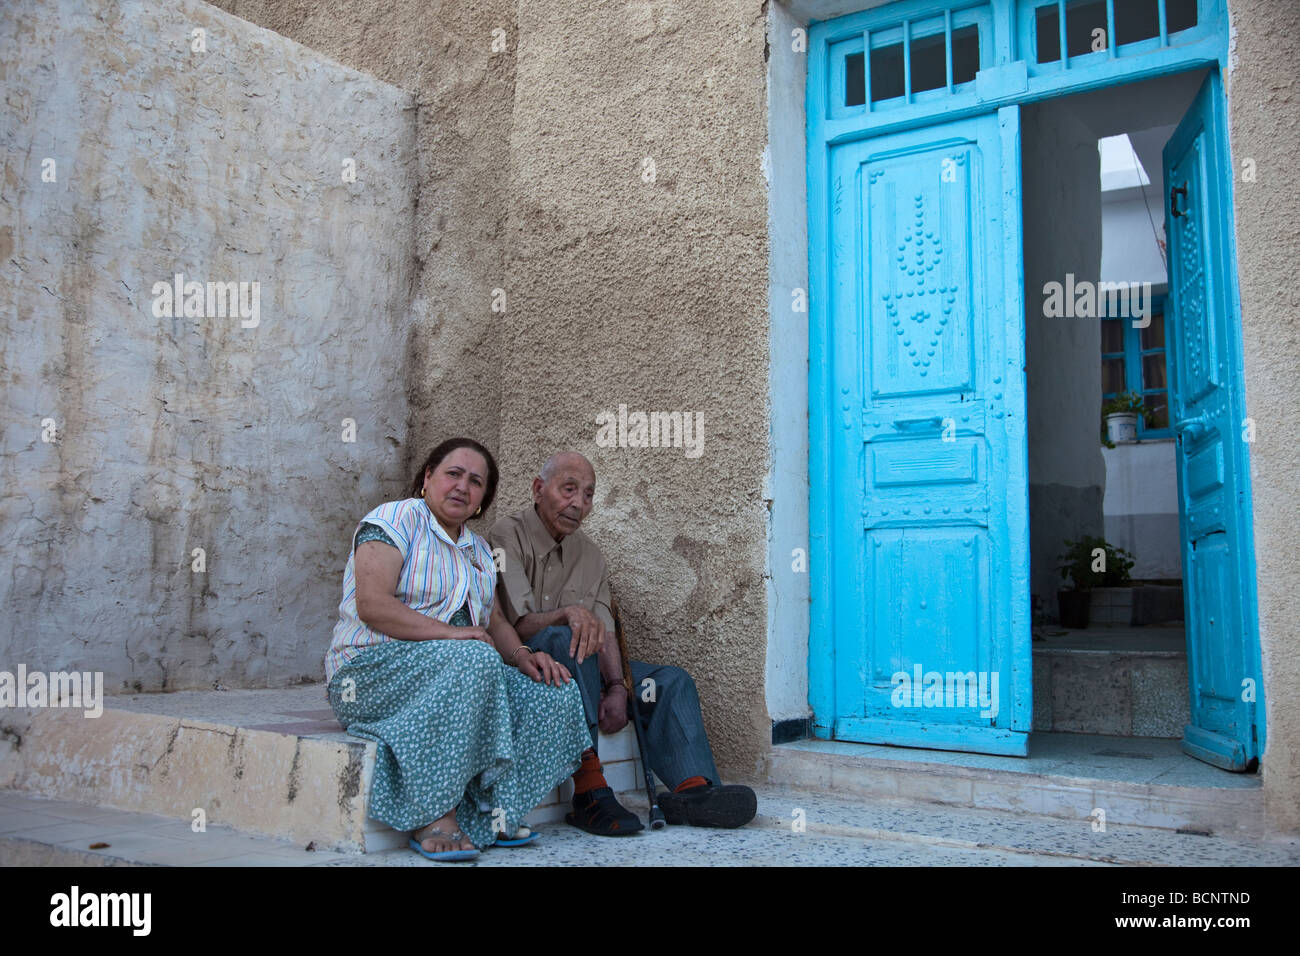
pixel 1200 809
pixel 292 788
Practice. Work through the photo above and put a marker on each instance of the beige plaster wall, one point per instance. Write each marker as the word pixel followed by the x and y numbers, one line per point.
pixel 650 294
pixel 1264 118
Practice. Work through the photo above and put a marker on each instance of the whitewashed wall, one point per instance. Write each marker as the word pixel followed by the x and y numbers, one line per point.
pixel 132 155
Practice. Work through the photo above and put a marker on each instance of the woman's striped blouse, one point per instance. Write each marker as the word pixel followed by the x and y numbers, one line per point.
pixel 438 576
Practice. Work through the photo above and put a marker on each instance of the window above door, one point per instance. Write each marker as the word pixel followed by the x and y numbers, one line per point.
pixel 1103 29
pixel 906 62
pixel 913 61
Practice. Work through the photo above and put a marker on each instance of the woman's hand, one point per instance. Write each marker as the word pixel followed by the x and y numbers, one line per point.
pixel 468 634
pixel 540 666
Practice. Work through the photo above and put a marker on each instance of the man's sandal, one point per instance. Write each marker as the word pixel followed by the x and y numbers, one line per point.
pixel 523 836
pixel 598 812
pixel 446 856
pixel 729 806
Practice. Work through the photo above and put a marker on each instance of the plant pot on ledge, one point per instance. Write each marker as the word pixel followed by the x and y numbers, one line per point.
pixel 1122 426
pixel 1089 562
pixel 1120 415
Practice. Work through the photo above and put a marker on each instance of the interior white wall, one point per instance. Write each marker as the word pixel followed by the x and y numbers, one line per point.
pixel 1061 172
pixel 1141 506
pixel 1130 222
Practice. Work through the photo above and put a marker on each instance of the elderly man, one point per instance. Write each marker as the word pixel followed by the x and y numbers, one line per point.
pixel 554 589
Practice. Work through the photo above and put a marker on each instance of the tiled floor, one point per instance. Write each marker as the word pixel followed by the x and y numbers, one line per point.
pixel 800 828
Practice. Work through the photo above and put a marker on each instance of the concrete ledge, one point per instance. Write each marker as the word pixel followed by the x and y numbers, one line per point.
pixel 293 788
pixel 268 762
pixel 15 851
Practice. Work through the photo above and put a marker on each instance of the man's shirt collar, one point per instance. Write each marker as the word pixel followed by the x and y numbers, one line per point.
pixel 538 536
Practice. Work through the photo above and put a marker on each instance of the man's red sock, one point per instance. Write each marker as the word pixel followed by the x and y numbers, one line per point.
pixel 690 783
pixel 589 776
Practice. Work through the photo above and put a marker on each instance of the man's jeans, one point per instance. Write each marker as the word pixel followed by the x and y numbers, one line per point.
pixel 675 740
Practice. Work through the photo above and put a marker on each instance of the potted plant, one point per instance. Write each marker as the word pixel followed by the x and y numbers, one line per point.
pixel 1089 562
pixel 1121 417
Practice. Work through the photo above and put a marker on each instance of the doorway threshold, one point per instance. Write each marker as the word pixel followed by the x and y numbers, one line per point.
pixel 1141 781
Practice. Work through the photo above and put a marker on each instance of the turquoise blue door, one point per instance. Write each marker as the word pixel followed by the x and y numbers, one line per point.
pixel 927 447
pixel 1207 407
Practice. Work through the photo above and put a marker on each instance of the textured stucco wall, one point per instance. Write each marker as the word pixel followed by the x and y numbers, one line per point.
pixel 442 51
pixel 1062 235
pixel 1264 121
pixel 650 294
pixel 190 432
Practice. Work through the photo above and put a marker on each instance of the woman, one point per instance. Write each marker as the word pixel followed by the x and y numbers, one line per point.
pixel 467 746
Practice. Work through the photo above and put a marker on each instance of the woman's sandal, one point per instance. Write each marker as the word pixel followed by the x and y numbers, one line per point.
pixel 523 836
pixel 445 856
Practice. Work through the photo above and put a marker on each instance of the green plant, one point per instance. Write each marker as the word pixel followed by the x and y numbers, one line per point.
pixel 1123 403
pixel 1087 569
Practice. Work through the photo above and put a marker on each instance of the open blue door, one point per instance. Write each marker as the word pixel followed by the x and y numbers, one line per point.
pixel 1207 406
pixel 930 541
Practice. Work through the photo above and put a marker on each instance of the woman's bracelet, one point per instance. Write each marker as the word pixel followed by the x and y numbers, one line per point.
pixel 515 656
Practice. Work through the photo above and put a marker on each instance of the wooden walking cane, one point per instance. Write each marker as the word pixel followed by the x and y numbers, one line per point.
pixel 657 821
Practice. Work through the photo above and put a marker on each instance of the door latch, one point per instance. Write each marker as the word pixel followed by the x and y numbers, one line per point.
pixel 1193 428
pixel 1174 193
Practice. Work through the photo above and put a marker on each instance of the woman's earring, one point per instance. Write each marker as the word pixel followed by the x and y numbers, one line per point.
pixel 479 512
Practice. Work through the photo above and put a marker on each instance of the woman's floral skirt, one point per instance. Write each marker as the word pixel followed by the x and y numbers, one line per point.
pixel 456 727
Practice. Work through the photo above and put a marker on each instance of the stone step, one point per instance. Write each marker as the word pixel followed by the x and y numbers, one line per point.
pixel 267 762
pixel 1139 693
pixel 1134 782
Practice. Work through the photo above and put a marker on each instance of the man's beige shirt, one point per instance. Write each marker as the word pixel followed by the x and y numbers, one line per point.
pixel 541 574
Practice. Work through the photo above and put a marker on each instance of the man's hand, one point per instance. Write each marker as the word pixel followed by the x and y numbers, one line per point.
pixel 540 666
pixel 588 632
pixel 613 709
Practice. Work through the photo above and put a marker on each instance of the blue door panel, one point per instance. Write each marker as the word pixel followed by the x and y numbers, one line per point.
pixel 929 608
pixel 1207 410
pixel 926 342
